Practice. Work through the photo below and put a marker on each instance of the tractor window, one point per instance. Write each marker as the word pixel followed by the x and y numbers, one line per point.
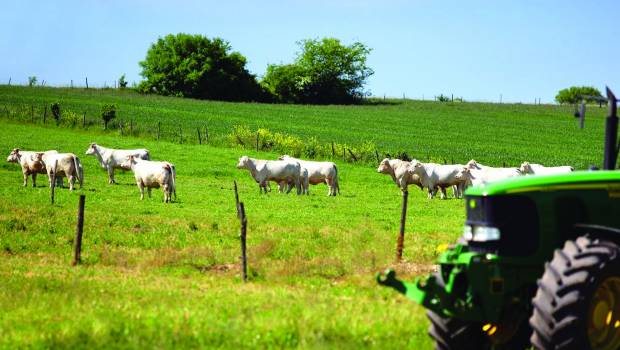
pixel 568 212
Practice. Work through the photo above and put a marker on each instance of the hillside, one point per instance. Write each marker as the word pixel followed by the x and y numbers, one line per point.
pixel 490 133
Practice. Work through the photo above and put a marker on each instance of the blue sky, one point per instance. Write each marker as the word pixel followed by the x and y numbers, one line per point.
pixel 476 49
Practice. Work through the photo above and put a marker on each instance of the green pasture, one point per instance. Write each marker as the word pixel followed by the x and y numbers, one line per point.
pixel 158 275
pixel 490 133
pixel 161 275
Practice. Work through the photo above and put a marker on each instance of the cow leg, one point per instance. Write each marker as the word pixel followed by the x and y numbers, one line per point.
pixel 443 193
pixel 71 182
pixel 330 187
pixel 166 191
pixel 25 179
pixel 34 179
pixel 148 190
pixel 111 175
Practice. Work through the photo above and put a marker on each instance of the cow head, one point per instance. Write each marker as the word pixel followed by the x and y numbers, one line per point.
pixel 464 175
pixel 384 166
pixel 243 162
pixel 526 168
pixel 14 156
pixel 472 164
pixel 128 162
pixel 92 149
pixel 416 167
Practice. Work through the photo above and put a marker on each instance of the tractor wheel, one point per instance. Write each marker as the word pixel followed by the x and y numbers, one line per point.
pixel 577 305
pixel 454 334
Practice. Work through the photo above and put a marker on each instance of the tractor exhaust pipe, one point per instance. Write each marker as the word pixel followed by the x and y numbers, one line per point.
pixel 611 133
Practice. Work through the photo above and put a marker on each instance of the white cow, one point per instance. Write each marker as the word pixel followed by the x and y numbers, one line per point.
pixel 278 171
pixel 481 174
pixel 31 163
pixel 319 172
pixel 110 158
pixel 64 165
pixel 434 176
pixel 398 170
pixel 537 169
pixel 150 174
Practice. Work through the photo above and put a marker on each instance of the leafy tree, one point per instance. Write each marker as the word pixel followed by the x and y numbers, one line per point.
pixel 122 83
pixel 325 71
pixel 576 94
pixel 108 112
pixel 198 67
pixel 32 81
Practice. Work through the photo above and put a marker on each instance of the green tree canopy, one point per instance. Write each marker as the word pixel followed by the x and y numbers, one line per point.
pixel 325 71
pixel 575 94
pixel 198 67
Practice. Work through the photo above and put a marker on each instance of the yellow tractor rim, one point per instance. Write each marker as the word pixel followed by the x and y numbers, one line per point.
pixel 604 316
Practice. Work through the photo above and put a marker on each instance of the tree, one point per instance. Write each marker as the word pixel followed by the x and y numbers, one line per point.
pixel 576 94
pixel 325 71
pixel 108 112
pixel 122 83
pixel 32 81
pixel 198 67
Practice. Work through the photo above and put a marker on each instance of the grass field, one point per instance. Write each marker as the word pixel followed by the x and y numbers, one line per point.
pixel 490 133
pixel 163 276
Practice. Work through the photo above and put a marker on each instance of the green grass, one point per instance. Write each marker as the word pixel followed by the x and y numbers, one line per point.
pixel 490 133
pixel 160 275
pixel 167 276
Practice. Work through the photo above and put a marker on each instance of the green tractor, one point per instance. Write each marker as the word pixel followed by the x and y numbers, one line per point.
pixel 538 264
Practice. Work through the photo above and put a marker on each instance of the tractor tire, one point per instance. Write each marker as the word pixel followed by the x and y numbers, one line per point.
pixel 454 334
pixel 577 304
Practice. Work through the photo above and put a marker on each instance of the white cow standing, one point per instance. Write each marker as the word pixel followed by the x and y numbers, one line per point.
pixel 434 176
pixel 481 174
pixel 537 169
pixel 278 171
pixel 150 174
pixel 110 158
pixel 64 165
pixel 319 172
pixel 398 170
pixel 31 163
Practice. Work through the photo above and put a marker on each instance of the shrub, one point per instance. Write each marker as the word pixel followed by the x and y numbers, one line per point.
pixel 32 81
pixel 122 83
pixel 55 108
pixel 108 112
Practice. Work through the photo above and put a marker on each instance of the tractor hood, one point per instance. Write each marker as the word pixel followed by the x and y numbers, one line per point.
pixel 609 179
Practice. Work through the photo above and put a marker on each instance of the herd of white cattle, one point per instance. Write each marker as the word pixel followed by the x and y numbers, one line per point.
pixel 434 177
pixel 287 172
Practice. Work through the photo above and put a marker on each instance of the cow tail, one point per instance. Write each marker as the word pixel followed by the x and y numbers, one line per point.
pixel 336 183
pixel 79 171
pixel 173 178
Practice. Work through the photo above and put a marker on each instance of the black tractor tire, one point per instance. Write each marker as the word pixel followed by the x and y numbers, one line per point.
pixel 562 304
pixel 454 334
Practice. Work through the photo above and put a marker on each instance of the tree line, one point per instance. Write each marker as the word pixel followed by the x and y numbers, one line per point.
pixel 325 71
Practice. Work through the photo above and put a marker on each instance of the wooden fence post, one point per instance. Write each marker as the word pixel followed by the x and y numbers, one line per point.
pixel 344 154
pixel 377 156
pixel 158 129
pixel 244 259
pixel 400 245
pixel 87 82
pixel 236 197
pixel 206 134
pixel 83 120
pixel 45 114
pixel 333 150
pixel 352 155
pixel 257 136
pixel 77 255
pixel 199 138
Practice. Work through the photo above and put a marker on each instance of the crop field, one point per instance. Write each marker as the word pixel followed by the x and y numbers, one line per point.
pixel 158 275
